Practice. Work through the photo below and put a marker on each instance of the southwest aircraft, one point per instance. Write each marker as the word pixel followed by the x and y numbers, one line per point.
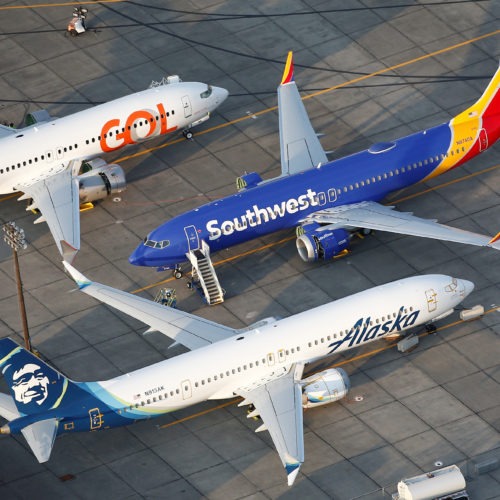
pixel 53 162
pixel 263 364
pixel 327 200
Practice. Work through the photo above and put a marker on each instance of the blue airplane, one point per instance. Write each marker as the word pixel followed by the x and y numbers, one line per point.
pixel 327 201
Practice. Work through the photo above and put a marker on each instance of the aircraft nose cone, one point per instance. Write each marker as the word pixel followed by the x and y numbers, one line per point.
pixel 220 95
pixel 467 286
pixel 136 258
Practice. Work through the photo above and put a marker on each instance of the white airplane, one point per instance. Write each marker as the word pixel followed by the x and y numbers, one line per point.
pixel 54 161
pixel 262 363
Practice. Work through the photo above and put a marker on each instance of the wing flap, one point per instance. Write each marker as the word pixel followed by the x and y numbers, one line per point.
pixel 300 146
pixel 279 403
pixel 186 329
pixel 371 215
pixel 57 197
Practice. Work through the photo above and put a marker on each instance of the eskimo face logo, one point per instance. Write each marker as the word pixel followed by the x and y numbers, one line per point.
pixel 30 384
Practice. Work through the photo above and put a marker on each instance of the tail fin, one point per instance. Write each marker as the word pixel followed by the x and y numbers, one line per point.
pixel 489 103
pixel 35 386
pixel 485 114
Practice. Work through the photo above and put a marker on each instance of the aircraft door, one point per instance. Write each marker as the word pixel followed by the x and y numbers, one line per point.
pixel 431 297
pixel 483 140
pixel 59 153
pixel 96 419
pixel 332 195
pixel 186 389
pixel 186 104
pixel 192 237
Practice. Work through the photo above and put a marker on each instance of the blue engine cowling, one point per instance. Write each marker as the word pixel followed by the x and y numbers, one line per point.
pixel 322 245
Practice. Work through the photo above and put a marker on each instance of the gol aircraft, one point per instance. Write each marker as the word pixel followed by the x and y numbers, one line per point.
pixel 55 163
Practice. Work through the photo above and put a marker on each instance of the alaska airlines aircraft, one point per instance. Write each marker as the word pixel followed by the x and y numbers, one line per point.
pixel 326 201
pixel 263 364
pixel 50 161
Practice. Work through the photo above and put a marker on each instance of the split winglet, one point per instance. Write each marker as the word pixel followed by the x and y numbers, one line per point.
pixel 494 239
pixel 80 279
pixel 288 73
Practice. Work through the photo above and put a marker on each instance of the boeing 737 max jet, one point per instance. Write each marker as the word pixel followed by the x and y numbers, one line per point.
pixel 51 161
pixel 328 200
pixel 262 363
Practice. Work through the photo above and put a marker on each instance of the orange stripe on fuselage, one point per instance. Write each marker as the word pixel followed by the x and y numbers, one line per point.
pixel 473 130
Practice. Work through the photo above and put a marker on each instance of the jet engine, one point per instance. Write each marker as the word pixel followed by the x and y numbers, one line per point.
pixel 100 180
pixel 322 245
pixel 325 387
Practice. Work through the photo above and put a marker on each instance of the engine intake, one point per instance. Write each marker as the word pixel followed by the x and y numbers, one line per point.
pixel 325 387
pixel 322 245
pixel 101 182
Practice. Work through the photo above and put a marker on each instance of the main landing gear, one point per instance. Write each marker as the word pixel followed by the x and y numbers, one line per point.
pixel 187 134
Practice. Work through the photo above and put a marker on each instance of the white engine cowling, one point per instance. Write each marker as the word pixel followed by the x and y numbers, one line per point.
pixel 325 387
pixel 100 182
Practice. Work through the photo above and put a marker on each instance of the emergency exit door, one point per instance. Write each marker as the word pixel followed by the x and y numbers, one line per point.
pixel 186 104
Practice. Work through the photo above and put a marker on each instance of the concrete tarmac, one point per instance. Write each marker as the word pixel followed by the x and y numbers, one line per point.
pixel 406 413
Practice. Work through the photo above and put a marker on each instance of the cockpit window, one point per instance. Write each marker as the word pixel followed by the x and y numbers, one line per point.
pixel 207 93
pixel 156 244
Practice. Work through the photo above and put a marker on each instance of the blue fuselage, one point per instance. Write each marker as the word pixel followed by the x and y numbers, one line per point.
pixel 286 201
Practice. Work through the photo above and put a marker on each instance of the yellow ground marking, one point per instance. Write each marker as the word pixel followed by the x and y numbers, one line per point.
pixel 324 91
pixel 334 365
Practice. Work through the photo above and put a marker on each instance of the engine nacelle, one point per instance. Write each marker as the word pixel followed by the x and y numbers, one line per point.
pixel 100 182
pixel 325 387
pixel 324 245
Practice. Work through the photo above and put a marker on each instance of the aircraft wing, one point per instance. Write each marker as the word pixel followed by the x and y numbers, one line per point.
pixel 8 409
pixel 278 401
pixel 186 329
pixel 371 215
pixel 300 146
pixel 57 197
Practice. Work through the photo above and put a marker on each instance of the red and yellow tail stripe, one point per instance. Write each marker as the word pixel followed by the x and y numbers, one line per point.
pixel 469 130
pixel 288 73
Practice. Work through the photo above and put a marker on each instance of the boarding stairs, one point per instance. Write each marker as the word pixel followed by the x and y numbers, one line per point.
pixel 204 273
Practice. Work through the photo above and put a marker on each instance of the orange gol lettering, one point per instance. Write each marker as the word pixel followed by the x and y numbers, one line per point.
pixel 125 136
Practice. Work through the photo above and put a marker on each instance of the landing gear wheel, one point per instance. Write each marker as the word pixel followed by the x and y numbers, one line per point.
pixel 177 274
pixel 188 134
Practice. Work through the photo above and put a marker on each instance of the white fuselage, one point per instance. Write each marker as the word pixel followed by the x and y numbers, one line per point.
pixel 43 149
pixel 218 370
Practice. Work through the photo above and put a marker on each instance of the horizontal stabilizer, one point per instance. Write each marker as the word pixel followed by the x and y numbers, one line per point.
pixel 40 437
pixel 8 408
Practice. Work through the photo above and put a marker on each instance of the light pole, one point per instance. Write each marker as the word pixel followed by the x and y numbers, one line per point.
pixel 14 237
